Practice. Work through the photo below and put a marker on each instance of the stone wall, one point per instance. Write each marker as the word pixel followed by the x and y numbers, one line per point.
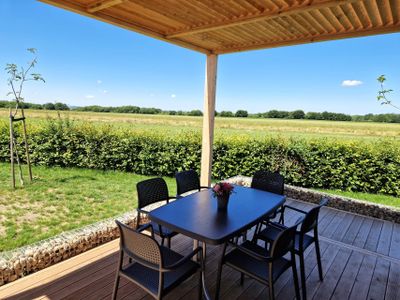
pixel 365 208
pixel 26 260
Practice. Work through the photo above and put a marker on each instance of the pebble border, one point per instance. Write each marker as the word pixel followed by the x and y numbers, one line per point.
pixel 356 206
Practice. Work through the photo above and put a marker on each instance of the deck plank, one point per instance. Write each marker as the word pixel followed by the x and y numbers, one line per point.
pixel 393 289
pixel 363 279
pixel 395 243
pixel 379 280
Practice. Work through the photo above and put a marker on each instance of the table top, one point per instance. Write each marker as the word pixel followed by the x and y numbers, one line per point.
pixel 197 216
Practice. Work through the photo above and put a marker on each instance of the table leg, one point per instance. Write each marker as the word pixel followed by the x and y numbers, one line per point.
pixel 219 272
pixel 195 246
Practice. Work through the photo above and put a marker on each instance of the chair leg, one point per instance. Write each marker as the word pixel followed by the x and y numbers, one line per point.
pixel 169 242
pixel 318 252
pixel 295 278
pixel 200 288
pixel 241 278
pixel 162 241
pixel 218 285
pixel 114 295
pixel 303 276
pixel 271 287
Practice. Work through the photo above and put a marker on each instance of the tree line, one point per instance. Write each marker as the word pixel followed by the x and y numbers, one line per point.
pixel 272 114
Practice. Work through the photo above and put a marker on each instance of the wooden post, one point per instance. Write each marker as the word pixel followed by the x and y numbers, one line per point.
pixel 28 160
pixel 208 119
pixel 12 151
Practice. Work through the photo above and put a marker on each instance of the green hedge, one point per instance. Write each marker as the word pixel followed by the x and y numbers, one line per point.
pixel 318 163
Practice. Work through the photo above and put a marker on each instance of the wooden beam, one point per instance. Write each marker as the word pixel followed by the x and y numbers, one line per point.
pixel 102 4
pixel 307 6
pixel 208 119
pixel 319 38
pixel 79 9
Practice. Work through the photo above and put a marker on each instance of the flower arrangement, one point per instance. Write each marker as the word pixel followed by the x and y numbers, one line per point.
pixel 222 189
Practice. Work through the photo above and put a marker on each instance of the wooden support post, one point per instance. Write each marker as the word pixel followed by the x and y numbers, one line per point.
pixel 208 119
pixel 12 151
pixel 28 160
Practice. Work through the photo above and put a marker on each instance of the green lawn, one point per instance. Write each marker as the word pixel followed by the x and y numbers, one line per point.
pixel 375 198
pixel 62 199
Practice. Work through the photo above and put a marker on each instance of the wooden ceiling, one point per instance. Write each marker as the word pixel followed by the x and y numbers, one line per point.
pixel 225 26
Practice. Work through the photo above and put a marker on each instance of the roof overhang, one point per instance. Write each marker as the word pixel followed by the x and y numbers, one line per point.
pixel 221 26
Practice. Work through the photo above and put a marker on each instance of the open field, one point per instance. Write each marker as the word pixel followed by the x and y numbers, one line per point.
pixel 62 199
pixel 231 126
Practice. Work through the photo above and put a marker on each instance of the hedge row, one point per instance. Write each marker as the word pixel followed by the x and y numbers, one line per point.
pixel 319 163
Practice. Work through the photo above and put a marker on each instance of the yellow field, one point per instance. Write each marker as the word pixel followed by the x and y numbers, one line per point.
pixel 254 127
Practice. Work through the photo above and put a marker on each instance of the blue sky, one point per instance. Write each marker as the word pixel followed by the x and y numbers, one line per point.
pixel 88 62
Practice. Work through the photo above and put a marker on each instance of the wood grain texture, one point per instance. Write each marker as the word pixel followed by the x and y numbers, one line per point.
pixel 219 26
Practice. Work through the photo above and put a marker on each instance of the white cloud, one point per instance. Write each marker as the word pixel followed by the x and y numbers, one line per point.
pixel 105 91
pixel 351 82
pixel 99 81
pixel 173 96
pixel 89 96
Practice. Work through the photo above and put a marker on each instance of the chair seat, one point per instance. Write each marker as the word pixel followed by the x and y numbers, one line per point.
pixel 242 262
pixel 149 278
pixel 270 233
pixel 165 231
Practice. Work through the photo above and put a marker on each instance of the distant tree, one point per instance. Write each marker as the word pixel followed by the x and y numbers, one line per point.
pixel 60 106
pixel 226 114
pixel 277 114
pixel 195 112
pixel 241 114
pixel 49 106
pixel 172 112
pixel 297 114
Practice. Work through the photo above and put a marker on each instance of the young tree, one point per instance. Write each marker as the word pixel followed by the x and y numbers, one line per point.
pixel 18 76
pixel 383 92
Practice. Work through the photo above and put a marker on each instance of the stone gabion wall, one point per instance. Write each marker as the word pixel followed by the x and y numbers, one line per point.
pixel 369 209
pixel 26 260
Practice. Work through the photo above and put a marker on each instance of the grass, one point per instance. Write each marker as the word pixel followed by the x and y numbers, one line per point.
pixel 62 199
pixel 228 126
pixel 374 198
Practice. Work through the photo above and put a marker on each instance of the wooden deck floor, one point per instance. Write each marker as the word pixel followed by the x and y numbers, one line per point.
pixel 360 256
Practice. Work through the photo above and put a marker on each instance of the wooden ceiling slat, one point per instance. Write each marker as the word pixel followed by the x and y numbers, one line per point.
pixel 283 28
pixel 363 14
pixel 343 18
pixel 312 23
pixel 154 15
pixel 386 12
pixel 213 6
pixel 265 27
pixel 298 26
pixel 275 31
pixel 373 12
pixel 102 4
pixel 331 18
pixel 352 16
pixel 395 7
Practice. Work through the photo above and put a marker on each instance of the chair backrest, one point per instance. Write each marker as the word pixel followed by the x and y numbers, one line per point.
pixel 151 191
pixel 187 181
pixel 141 247
pixel 311 218
pixel 284 242
pixel 268 181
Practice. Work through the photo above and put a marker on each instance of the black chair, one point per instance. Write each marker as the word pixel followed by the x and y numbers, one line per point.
pixel 263 265
pixel 151 191
pixel 303 240
pixel 187 181
pixel 268 181
pixel 155 268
